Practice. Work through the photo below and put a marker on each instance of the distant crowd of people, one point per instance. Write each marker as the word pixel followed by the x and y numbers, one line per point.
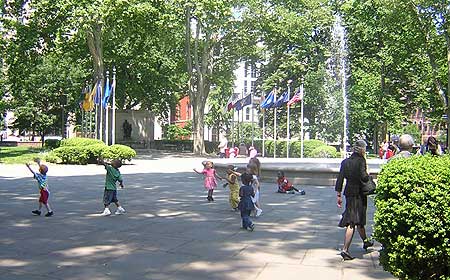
pixel 389 149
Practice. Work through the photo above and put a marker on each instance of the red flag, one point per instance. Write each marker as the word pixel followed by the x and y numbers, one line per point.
pixel 298 96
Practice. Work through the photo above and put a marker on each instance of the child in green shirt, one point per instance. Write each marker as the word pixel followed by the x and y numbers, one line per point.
pixel 110 195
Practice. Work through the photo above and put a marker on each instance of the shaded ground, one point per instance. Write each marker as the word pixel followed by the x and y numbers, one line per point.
pixel 169 231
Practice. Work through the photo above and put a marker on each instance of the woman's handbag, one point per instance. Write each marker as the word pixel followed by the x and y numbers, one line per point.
pixel 368 187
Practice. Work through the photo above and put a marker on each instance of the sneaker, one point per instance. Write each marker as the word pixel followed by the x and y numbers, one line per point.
pixel 301 192
pixel 251 227
pixel 346 256
pixel 49 214
pixel 120 211
pixel 36 212
pixel 367 244
pixel 106 212
pixel 258 212
pixel 212 199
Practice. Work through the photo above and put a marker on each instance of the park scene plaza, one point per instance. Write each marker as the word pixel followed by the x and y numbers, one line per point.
pixel 170 231
pixel 225 139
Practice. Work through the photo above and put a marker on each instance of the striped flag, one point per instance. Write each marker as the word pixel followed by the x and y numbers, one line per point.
pixel 298 96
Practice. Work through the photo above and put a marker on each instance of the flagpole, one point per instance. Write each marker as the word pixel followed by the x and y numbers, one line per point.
pixel 113 125
pixel 107 112
pixel 275 126
pixel 253 119
pixel 101 111
pixel 97 136
pixel 263 131
pixel 288 119
pixel 301 121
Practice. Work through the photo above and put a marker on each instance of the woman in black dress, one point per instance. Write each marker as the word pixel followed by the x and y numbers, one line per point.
pixel 354 170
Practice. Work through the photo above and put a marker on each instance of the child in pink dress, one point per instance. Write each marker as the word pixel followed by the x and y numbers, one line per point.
pixel 210 178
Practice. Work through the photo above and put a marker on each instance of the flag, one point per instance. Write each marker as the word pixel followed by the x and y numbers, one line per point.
pixel 298 96
pixel 112 91
pixel 107 93
pixel 284 98
pixel 231 102
pixel 98 92
pixel 268 101
pixel 243 102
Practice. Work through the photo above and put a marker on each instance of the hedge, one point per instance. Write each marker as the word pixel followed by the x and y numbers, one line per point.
pixel 412 217
pixel 78 141
pixel 324 152
pixel 85 150
pixel 52 143
pixel 118 151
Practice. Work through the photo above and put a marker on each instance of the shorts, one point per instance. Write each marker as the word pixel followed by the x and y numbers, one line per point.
pixel 44 194
pixel 255 199
pixel 110 196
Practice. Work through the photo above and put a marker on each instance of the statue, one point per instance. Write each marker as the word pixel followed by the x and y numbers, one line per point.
pixel 126 126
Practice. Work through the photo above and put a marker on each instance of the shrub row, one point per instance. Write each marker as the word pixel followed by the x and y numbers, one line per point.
pixel 412 218
pixel 311 149
pixel 85 150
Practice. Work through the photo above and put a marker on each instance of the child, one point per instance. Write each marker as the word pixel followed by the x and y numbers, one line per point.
pixel 210 178
pixel 284 186
pixel 110 194
pixel 234 187
pixel 246 205
pixel 252 169
pixel 41 178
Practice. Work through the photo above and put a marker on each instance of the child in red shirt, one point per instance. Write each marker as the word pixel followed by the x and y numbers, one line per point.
pixel 284 186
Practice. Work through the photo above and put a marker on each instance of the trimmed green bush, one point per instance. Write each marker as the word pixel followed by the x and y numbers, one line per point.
pixel 52 144
pixel 77 141
pixel 95 151
pixel 118 151
pixel 324 152
pixel 412 220
pixel 310 145
pixel 52 157
pixel 72 154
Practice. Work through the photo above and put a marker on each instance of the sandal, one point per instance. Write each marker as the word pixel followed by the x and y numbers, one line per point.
pixel 346 256
pixel 367 244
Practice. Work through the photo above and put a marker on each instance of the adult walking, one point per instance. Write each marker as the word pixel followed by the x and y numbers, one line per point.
pixel 223 146
pixel 354 170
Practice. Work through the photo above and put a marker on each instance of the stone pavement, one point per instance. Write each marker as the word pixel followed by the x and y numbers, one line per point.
pixel 169 231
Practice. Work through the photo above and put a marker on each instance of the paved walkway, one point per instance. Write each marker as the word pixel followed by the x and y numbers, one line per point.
pixel 169 231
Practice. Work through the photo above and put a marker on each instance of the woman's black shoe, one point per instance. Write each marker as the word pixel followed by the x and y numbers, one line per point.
pixel 367 244
pixel 346 256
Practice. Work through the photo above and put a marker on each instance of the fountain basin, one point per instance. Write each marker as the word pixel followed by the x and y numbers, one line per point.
pixel 307 171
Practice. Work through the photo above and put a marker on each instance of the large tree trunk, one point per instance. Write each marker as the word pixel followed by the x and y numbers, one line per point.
pixel 199 67
pixel 95 44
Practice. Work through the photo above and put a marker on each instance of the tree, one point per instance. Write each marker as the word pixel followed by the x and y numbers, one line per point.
pixel 213 34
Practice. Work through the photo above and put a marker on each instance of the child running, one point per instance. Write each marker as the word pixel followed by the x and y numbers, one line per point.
pixel 284 186
pixel 252 169
pixel 246 205
pixel 233 184
pixel 210 178
pixel 110 194
pixel 41 178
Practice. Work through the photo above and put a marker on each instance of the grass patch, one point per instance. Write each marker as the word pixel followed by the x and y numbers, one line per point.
pixel 19 155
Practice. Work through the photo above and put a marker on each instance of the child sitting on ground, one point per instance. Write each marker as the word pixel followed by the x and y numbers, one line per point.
pixel 110 194
pixel 41 178
pixel 284 186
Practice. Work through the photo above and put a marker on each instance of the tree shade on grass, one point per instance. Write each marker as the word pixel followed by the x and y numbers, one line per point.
pixel 18 155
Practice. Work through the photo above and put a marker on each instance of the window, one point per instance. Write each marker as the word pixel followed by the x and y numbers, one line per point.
pixel 247 113
pixel 253 71
pixel 245 88
pixel 246 69
pixel 252 87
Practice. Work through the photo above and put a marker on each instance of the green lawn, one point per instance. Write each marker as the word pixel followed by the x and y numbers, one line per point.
pixel 10 155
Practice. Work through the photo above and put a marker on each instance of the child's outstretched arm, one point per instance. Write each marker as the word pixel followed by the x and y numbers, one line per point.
pixel 121 184
pixel 196 171
pixel 101 161
pixel 29 168
pixel 218 176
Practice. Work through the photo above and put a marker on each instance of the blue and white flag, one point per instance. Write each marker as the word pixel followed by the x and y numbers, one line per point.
pixel 284 98
pixel 268 101
pixel 98 93
pixel 107 93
